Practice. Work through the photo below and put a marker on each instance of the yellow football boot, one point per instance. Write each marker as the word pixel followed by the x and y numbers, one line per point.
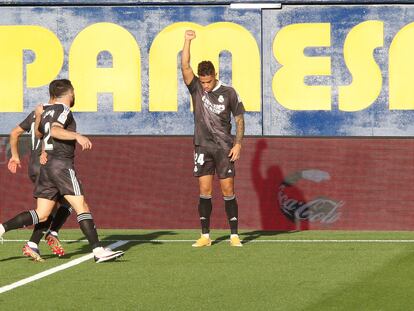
pixel 202 241
pixel 235 241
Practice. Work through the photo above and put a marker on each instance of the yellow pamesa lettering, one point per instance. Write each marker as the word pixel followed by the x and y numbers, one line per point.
pixel 123 79
pixel 366 75
pixel 211 40
pixel 401 69
pixel 288 83
pixel 45 67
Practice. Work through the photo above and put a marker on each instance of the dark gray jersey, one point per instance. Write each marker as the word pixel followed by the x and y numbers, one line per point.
pixel 212 114
pixel 28 125
pixel 59 149
pixel 36 144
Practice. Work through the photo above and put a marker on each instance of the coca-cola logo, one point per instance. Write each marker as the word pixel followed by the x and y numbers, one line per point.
pixel 321 209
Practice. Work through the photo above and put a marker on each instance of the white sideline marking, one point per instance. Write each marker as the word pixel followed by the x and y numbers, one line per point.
pixel 246 240
pixel 55 269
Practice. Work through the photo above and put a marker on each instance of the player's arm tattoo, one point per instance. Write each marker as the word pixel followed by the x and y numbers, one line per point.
pixel 239 128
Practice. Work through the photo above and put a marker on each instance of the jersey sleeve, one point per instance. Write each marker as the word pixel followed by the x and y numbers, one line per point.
pixel 236 104
pixel 193 86
pixel 26 124
pixel 62 115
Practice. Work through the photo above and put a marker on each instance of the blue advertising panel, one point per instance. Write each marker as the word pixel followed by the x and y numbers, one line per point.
pixel 338 71
pixel 124 63
pixel 320 70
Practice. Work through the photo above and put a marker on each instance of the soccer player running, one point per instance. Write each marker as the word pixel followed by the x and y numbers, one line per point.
pixel 215 148
pixel 58 177
pixel 53 223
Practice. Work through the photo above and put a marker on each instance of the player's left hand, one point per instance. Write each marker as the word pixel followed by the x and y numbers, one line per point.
pixel 83 141
pixel 43 158
pixel 13 164
pixel 234 154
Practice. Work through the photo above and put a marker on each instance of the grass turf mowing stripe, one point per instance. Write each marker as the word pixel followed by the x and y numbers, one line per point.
pixel 247 241
pixel 67 265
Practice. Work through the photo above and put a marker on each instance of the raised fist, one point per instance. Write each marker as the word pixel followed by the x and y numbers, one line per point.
pixel 190 35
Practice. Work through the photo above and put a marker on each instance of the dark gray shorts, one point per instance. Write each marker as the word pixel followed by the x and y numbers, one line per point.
pixel 208 160
pixel 34 172
pixel 57 178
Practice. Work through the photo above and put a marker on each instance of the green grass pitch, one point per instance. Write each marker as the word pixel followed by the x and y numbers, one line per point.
pixel 263 275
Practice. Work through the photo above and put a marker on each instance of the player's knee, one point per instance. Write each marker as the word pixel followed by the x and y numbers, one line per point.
pixel 42 215
pixel 206 190
pixel 227 190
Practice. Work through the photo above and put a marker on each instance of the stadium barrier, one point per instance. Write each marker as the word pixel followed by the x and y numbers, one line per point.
pixel 281 184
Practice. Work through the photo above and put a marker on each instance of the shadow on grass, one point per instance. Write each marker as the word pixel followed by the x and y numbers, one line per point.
pixel 246 237
pixel 135 239
pixel 253 235
pixel 22 257
pixel 220 239
pixel 12 258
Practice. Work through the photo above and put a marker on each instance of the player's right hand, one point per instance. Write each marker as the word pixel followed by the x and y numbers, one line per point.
pixel 234 154
pixel 84 142
pixel 43 158
pixel 13 164
pixel 190 35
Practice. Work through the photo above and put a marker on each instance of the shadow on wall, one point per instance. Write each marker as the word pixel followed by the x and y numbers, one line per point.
pixel 279 199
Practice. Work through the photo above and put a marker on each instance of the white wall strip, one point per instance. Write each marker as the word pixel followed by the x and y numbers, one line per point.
pixel 249 6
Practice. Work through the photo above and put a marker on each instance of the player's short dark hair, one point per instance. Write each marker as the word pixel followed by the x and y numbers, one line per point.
pixel 58 88
pixel 206 68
